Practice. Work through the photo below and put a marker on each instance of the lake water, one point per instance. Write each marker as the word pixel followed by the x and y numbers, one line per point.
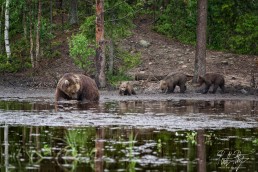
pixel 169 135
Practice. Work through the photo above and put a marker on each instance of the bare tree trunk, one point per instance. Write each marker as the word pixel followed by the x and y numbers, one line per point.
pixel 200 55
pixel 24 22
pixel 31 37
pixel 100 50
pixel 73 12
pixel 51 15
pixel 1 17
pixel 111 56
pixel 6 31
pixel 37 55
pixel 62 11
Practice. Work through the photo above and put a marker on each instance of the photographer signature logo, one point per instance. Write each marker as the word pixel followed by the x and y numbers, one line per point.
pixel 231 159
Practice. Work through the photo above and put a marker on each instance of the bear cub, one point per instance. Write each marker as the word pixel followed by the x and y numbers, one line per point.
pixel 169 83
pixel 210 79
pixel 126 89
pixel 76 87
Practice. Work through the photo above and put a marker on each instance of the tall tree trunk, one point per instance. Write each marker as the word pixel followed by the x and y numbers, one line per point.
pixel 1 17
pixel 111 56
pixel 6 31
pixel 73 12
pixel 100 50
pixel 24 21
pixel 51 15
pixel 37 55
pixel 200 55
pixel 32 59
pixel 62 11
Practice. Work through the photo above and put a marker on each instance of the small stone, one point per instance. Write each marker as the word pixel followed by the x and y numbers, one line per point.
pixel 224 62
pixel 243 91
pixel 144 43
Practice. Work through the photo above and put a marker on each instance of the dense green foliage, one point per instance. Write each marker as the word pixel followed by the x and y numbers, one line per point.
pixel 118 22
pixel 81 52
pixel 179 21
pixel 232 25
pixel 124 62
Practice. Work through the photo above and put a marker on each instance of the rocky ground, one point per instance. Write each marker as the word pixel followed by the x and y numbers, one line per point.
pixel 159 55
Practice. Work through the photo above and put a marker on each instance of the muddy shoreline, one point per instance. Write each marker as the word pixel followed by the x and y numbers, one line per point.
pixel 47 94
pixel 160 111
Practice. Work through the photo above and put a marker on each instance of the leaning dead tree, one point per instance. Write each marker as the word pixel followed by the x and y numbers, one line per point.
pixel 100 41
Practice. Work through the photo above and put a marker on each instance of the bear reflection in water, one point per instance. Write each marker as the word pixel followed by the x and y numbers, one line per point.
pixel 174 107
pixel 74 105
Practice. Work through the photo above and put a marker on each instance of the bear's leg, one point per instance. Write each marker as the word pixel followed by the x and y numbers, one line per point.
pixel 182 88
pixel 215 87
pixel 122 93
pixel 61 96
pixel 128 92
pixel 222 87
pixel 171 89
pixel 207 87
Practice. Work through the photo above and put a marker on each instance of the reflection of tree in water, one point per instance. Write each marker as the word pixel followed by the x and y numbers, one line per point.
pixel 179 107
pixel 173 106
pixel 217 106
pixel 254 107
pixel 241 107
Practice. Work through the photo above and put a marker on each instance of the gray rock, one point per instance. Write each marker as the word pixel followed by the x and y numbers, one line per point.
pixel 144 43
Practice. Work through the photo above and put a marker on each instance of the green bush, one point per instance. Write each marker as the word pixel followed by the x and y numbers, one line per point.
pixel 245 40
pixel 178 21
pixel 115 79
pixel 81 50
pixel 128 60
pixel 125 61
pixel 19 59
pixel 232 25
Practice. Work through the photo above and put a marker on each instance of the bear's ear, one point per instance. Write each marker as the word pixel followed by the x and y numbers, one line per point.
pixel 77 79
pixel 201 78
pixel 66 82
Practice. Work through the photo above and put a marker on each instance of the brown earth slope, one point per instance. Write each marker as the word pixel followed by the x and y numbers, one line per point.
pixel 160 56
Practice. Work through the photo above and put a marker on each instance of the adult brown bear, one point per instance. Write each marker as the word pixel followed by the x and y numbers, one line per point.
pixel 126 89
pixel 76 87
pixel 169 83
pixel 209 79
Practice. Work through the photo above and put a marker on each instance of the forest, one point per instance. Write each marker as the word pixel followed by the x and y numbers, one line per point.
pixel 139 41
pixel 31 31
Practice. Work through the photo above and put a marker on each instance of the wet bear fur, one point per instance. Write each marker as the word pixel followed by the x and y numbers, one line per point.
pixel 126 88
pixel 209 79
pixel 169 83
pixel 76 87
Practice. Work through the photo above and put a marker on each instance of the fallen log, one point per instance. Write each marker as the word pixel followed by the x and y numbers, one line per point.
pixel 149 77
pixel 153 77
